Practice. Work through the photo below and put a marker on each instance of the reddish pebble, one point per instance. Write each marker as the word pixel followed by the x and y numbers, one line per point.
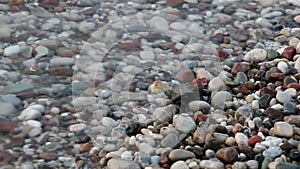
pixel 27 94
pixel 85 147
pixel 239 67
pixel 277 76
pixel 185 76
pixel 200 83
pixel 289 53
pixel 294 85
pixel 59 9
pixel 17 141
pixel 48 156
pixel 253 140
pixel 237 128
pixel 222 54
pixel 200 117
pixel 48 3
pixel 174 3
pixel 7 126
pixel 127 46
pixel 243 89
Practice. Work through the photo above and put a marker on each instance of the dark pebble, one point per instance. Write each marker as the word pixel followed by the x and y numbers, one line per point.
pixel 285 165
pixel 288 80
pixel 289 108
pixel 198 151
pixel 264 101
pixel 213 144
pixel 289 53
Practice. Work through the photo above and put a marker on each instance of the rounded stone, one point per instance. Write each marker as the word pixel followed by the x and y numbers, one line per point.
pixel 171 140
pixel 272 152
pixel 218 100
pixel 12 50
pixel 116 163
pixel 283 129
pixel 256 55
pixel 283 97
pixel 228 155
pixel 216 84
pixel 179 165
pixel 198 105
pixel 180 154
pixel 241 139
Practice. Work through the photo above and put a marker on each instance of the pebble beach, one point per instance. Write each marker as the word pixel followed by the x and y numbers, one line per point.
pixel 149 84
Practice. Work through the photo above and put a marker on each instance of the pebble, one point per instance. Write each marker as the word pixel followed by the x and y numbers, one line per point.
pixel 228 155
pixel 159 23
pixel 9 109
pixel 198 105
pixel 272 152
pixel 116 163
pixel 179 165
pixel 184 124
pixel 12 50
pixel 241 139
pixel 283 129
pixel 180 154
pixel 31 113
pixel 244 113
pixel 216 84
pixel 252 164
pixel 218 100
pixel 77 127
pixel 256 55
pixel 289 52
pixel 211 164
pixel 171 140
pixel 239 165
pixel 283 97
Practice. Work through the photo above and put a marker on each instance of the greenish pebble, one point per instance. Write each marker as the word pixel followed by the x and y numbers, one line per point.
pixel 249 98
pixel 272 54
pixel 266 162
pixel 231 83
pixel 17 88
pixel 284 165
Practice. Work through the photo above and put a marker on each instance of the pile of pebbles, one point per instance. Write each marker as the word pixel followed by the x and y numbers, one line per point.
pixel 150 84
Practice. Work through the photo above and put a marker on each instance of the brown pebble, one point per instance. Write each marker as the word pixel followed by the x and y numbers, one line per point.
pixel 85 147
pixel 294 85
pixel 17 141
pixel 222 54
pixel 8 126
pixel 227 154
pixel 59 9
pixel 174 3
pixel 48 3
pixel 48 156
pixel 16 2
pixel 27 94
pixel 253 140
pixel 185 76
pixel 289 52
pixel 239 67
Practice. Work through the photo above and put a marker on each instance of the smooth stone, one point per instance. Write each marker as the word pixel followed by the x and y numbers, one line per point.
pixel 179 165
pixel 272 54
pixel 159 23
pixel 35 132
pixel 86 27
pixel 256 55
pixel 241 139
pixel 203 73
pixel 252 164
pixel 218 100
pixel 297 64
pixel 147 55
pixel 41 51
pixel 283 97
pixel 77 127
pixel 30 114
pixel 211 164
pixel 239 165
pixel 184 124
pixel 180 154
pixel 116 163
pixel 266 162
pixel 155 160
pixel 240 78
pixel 200 134
pixel 198 105
pixel 109 122
pixel 34 123
pixel 8 109
pixel 264 101
pixel 59 61
pixel 171 140
pixel 5 33
pixel 294 2
pixel 283 129
pixel 227 154
pixel 272 152
pixel 146 148
pixel 12 50
pixel 216 84
pixel 282 66
pixel 266 3
pixel 286 165
pixel 289 108
pixel 17 88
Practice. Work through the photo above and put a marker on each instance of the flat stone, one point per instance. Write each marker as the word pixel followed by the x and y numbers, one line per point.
pixel 12 50
pixel 198 105
pixel 283 129
pixel 65 52
pixel 17 88
pixel 256 55
pixel 8 109
pixel 171 140
pixel 159 23
pixel 116 163
pixel 30 114
pixel 211 164
pixel 5 33
pixel 48 156
pixel 77 127
pixel 285 165
pixel 180 154
pixel 283 97
pixel 179 165
pixel 147 55
pixel 239 165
